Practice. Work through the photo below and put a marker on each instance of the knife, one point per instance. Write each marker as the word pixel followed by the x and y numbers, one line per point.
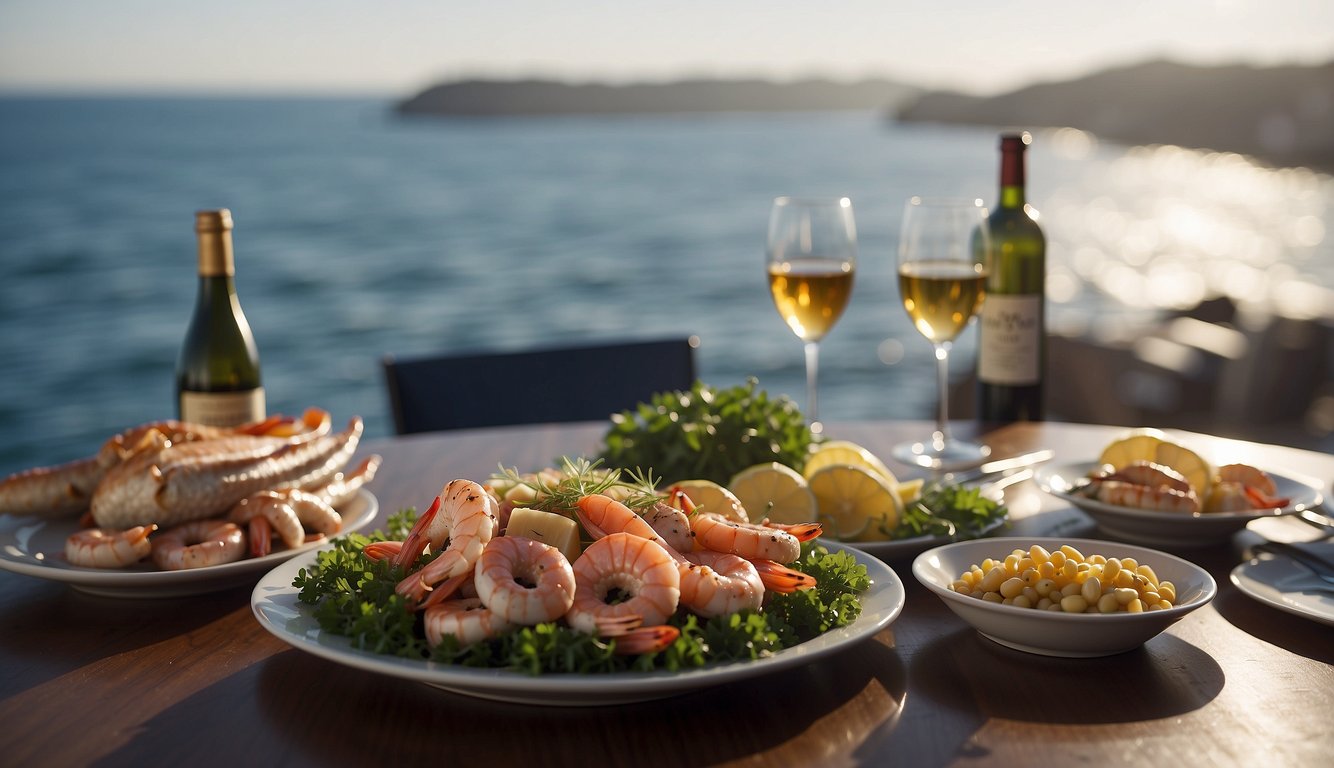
pixel 999 466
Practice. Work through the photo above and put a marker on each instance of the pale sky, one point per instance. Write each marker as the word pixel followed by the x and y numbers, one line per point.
pixel 395 47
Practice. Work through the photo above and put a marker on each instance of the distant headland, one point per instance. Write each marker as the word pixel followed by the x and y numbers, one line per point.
pixel 1283 115
pixel 483 98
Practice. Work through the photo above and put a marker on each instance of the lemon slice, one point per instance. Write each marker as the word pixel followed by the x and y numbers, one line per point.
pixel 1189 463
pixel 1139 445
pixel 854 501
pixel 708 496
pixel 847 452
pixel 775 491
pixel 910 491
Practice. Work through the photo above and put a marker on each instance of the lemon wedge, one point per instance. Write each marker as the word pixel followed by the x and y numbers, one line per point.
pixel 709 496
pixel 1189 463
pixel 1138 445
pixel 847 452
pixel 854 502
pixel 775 491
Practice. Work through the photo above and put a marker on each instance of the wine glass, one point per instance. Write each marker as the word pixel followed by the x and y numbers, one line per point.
pixel 942 278
pixel 812 255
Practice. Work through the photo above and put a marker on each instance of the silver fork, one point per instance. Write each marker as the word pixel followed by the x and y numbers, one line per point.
pixel 1321 568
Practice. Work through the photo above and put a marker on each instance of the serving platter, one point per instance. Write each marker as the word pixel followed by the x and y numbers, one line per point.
pixel 1171 528
pixel 275 605
pixel 36 547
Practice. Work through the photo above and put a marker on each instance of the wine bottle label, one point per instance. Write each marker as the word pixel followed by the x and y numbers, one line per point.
pixel 1009 346
pixel 223 409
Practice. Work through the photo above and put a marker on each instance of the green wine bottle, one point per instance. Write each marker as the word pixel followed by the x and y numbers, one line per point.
pixel 217 375
pixel 1011 355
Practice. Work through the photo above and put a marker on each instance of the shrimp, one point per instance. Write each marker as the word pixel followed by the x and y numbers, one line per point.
pixel 198 544
pixel 467 619
pixel 1150 474
pixel 1248 476
pixel 98 548
pixel 1127 494
pixel 466 516
pixel 524 581
pixel 602 515
pixel 621 564
pixel 672 525
pixel 272 509
pixel 717 584
pixel 754 542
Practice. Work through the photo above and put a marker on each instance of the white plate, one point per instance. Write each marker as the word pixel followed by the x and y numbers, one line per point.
pixel 1171 528
pixel 1072 635
pixel 36 547
pixel 278 610
pixel 1287 586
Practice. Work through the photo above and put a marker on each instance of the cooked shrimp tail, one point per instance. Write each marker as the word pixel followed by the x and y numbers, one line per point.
pixel 415 544
pixel 434 595
pixel 260 533
pixel 646 640
pixel 382 550
pixel 800 531
pixel 779 578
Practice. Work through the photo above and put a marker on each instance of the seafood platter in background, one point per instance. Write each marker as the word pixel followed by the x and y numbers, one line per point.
pixel 1077 598
pixel 1147 487
pixel 171 507
pixel 564 572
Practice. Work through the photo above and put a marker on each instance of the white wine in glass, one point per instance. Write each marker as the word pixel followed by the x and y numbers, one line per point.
pixel 942 279
pixel 811 261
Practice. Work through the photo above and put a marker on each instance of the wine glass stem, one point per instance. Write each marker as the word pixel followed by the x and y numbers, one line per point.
pixel 943 402
pixel 812 373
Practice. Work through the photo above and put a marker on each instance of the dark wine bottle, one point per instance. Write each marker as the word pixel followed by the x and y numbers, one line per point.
pixel 217 375
pixel 1012 348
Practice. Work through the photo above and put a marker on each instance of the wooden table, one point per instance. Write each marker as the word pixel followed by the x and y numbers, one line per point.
pixel 196 681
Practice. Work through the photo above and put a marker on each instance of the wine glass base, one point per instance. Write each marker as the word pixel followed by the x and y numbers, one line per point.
pixel 942 454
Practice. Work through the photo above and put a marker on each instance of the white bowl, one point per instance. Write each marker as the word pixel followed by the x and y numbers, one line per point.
pixel 1074 635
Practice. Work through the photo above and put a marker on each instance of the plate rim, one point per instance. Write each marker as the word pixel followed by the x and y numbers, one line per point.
pixel 1243 574
pixel 147 582
pixel 273 601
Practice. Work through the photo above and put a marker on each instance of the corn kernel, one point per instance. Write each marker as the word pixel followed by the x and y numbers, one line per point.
pixel 1072 553
pixel 1074 604
pixel 1045 587
pixel 1012 587
pixel 962 586
pixel 1039 554
pixel 1168 590
pixel 1091 589
pixel 1108 603
pixel 992 597
pixel 1147 573
pixel 1020 601
pixel 1135 606
pixel 992 581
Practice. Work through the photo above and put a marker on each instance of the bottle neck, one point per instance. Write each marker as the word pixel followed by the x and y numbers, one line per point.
pixel 215 255
pixel 1012 175
pixel 216 289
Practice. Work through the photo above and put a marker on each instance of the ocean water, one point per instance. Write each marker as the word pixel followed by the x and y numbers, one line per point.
pixel 360 234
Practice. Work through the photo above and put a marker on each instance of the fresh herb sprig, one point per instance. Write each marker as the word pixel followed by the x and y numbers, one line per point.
pixel 707 433
pixel 354 596
pixel 949 510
